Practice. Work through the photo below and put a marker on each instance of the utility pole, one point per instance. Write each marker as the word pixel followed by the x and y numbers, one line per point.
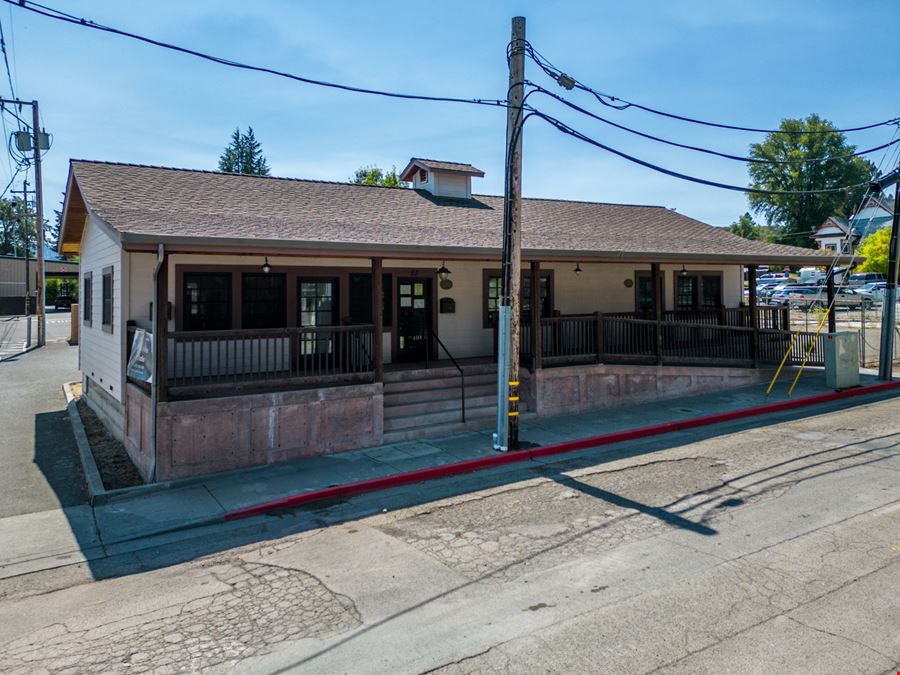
pixel 507 434
pixel 39 224
pixel 889 304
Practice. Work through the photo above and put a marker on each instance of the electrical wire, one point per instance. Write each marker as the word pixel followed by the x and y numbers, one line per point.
pixel 58 15
pixel 564 128
pixel 739 158
pixel 619 103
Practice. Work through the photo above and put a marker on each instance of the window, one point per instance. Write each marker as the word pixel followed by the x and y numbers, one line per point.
pixel 698 291
pixel 263 300
pixel 492 291
pixel 106 308
pixel 710 291
pixel 423 176
pixel 207 301
pixel 360 299
pixel 643 291
pixel 88 302
pixel 318 307
pixel 686 293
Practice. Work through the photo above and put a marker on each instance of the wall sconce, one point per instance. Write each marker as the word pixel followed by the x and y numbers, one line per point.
pixel 266 267
pixel 444 276
pixel 578 269
pixel 683 272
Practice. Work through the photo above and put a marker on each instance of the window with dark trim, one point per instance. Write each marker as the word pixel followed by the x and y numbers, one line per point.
pixel 643 291
pixel 492 290
pixel 263 300
pixel 207 301
pixel 106 308
pixel 318 300
pixel 360 299
pixel 698 291
pixel 88 300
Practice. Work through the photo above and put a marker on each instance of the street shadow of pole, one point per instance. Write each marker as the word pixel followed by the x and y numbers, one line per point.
pixel 667 517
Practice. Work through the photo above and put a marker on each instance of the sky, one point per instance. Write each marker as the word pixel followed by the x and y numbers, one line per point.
pixel 104 97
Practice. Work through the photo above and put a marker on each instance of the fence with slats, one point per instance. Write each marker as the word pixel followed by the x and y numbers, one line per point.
pixel 242 358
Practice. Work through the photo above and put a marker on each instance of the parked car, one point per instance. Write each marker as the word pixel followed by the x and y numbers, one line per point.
pixel 63 302
pixel 861 278
pixel 873 290
pixel 811 297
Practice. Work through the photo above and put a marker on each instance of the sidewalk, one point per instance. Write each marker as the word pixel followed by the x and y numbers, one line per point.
pixel 169 509
pixel 157 508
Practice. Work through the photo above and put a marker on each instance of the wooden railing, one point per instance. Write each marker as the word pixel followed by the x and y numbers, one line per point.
pixel 243 359
pixel 618 338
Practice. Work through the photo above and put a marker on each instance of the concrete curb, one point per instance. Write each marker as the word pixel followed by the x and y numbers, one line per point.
pixel 96 491
pixel 491 461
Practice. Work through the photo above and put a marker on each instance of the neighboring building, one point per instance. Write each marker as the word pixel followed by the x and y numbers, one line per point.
pixel 839 234
pixel 270 340
pixel 12 279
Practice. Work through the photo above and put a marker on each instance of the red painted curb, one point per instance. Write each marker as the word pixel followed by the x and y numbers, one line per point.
pixel 471 465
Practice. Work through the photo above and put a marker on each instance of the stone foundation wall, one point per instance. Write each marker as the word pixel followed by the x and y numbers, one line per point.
pixel 558 391
pixel 220 434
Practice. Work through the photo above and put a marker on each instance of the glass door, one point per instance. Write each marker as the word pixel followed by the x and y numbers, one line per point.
pixel 413 319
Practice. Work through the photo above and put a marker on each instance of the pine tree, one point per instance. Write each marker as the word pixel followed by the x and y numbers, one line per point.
pixel 244 155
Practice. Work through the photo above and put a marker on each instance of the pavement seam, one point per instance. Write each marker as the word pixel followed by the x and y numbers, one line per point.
pixel 784 614
pixel 890 659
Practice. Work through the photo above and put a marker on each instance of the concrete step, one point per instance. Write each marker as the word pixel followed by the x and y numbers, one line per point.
pixel 443 371
pixel 439 405
pixel 392 398
pixel 426 419
pixel 443 429
pixel 438 383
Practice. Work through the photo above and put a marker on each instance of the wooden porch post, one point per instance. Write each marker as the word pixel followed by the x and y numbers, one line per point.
pixel 829 294
pixel 536 307
pixel 657 309
pixel 160 340
pixel 378 318
pixel 754 315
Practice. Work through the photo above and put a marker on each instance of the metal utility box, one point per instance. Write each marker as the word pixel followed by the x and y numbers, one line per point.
pixel 842 360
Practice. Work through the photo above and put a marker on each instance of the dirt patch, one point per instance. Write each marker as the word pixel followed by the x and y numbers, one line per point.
pixel 116 469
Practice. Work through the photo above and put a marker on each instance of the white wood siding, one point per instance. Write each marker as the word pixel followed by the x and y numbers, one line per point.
pixel 101 353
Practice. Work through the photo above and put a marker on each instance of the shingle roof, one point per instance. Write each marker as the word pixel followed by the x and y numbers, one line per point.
pixel 148 204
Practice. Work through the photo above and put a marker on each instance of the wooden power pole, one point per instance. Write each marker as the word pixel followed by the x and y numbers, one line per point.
pixel 39 225
pixel 507 435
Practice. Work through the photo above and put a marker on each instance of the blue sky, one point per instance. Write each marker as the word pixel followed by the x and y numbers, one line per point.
pixel 107 98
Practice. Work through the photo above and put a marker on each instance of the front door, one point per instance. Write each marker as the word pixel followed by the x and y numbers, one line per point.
pixel 413 319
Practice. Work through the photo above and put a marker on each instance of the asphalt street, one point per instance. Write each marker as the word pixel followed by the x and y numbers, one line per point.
pixel 41 469
pixel 750 548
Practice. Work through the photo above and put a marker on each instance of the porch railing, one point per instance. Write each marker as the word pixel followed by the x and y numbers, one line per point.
pixel 244 358
pixel 619 338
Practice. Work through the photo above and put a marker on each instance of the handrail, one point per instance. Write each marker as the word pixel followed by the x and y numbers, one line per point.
pixel 462 375
pixel 269 332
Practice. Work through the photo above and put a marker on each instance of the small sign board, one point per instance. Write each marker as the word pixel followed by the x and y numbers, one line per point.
pixel 141 360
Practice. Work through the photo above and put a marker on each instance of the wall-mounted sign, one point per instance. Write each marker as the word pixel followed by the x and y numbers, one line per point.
pixel 141 359
pixel 448 306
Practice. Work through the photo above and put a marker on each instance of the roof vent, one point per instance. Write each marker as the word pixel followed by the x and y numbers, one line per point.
pixel 442 179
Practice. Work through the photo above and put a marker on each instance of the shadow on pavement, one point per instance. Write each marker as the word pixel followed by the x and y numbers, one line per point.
pixel 190 543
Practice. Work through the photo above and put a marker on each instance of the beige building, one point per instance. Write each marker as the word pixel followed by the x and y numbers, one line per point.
pixel 298 317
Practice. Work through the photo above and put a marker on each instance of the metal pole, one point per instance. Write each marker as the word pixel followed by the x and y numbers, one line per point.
pixel 510 319
pixel 39 225
pixel 889 306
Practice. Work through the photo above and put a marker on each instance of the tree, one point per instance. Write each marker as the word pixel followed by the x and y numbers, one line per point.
pixel 244 155
pixel 372 175
pixel 874 248
pixel 797 215
pixel 745 227
pixel 16 228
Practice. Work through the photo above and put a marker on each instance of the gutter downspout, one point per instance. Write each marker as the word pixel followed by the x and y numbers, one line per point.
pixel 154 391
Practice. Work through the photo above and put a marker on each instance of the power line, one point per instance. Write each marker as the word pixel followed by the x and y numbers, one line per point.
pixel 675 174
pixel 58 15
pixel 752 160
pixel 618 103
